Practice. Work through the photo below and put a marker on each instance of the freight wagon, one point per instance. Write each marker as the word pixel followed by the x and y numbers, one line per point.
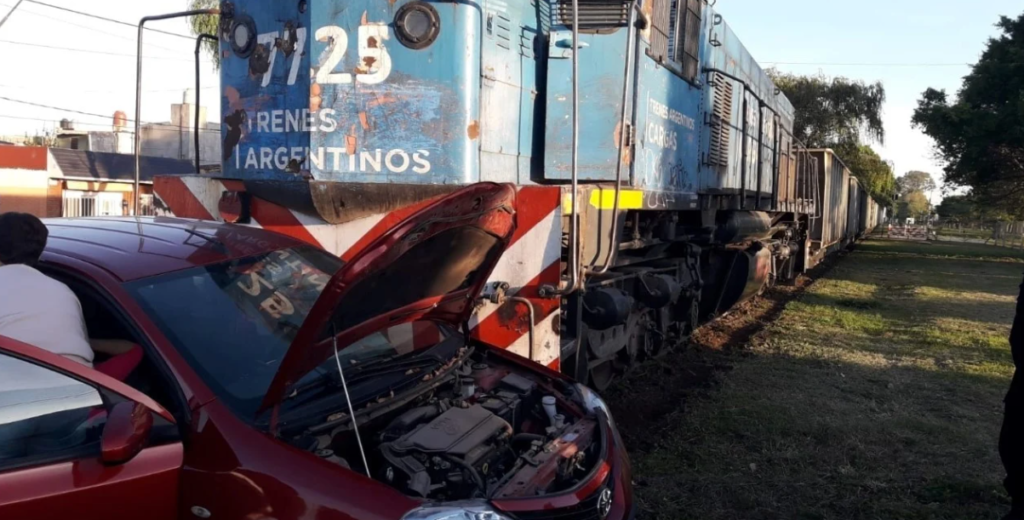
pixel 847 212
pixel 659 183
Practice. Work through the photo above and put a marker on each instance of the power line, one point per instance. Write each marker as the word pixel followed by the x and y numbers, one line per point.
pixel 9 13
pixel 91 114
pixel 95 51
pixel 90 28
pixel 55 122
pixel 111 20
pixel 108 91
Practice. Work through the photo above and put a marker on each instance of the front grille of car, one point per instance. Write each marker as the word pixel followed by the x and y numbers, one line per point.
pixel 585 510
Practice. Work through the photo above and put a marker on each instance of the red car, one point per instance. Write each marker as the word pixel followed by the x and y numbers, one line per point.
pixel 278 382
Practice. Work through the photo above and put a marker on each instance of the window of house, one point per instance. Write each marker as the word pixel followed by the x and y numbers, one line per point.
pixel 74 143
pixel 675 36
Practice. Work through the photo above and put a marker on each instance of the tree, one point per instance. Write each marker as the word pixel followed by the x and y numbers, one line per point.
pixel 914 205
pixel 980 134
pixel 206 24
pixel 833 111
pixel 957 208
pixel 871 170
pixel 915 181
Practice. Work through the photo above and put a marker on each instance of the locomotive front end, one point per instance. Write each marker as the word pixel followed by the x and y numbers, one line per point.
pixel 367 91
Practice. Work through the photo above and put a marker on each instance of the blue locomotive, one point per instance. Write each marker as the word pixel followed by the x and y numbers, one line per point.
pixel 659 181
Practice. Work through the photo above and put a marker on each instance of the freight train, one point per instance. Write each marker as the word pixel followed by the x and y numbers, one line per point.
pixel 659 182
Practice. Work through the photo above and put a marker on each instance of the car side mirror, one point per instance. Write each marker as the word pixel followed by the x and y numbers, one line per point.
pixel 125 433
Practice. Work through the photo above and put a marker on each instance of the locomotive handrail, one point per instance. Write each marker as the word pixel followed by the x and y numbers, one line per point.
pixel 138 90
pixel 199 43
pixel 624 138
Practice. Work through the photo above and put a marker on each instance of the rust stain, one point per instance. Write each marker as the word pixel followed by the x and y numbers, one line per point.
pixel 624 151
pixel 381 100
pixel 369 61
pixel 350 141
pixel 364 121
pixel 473 130
pixel 371 42
pixel 314 97
pixel 234 98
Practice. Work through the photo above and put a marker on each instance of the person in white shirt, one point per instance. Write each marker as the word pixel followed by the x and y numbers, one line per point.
pixel 42 312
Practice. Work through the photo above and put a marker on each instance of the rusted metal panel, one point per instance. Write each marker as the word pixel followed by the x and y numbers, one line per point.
pixel 833 193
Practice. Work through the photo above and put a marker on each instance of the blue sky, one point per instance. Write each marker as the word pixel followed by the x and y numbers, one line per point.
pixel 908 45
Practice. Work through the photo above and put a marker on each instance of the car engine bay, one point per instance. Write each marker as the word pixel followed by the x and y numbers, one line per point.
pixel 486 429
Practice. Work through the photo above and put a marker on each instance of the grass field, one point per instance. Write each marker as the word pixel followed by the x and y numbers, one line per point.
pixel 877 394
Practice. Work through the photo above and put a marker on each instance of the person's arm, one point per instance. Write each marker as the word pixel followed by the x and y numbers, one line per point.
pixel 111 347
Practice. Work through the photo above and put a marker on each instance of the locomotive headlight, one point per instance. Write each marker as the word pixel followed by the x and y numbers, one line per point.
pixel 469 510
pixel 417 24
pixel 242 36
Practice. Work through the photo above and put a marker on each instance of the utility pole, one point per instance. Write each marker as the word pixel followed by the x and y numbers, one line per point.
pixel 9 13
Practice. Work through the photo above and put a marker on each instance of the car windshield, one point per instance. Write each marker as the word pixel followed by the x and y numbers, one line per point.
pixel 233 322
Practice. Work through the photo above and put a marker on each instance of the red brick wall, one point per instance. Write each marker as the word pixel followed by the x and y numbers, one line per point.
pixel 23 157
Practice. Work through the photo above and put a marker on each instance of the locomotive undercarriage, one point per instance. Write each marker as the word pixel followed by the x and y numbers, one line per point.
pixel 673 272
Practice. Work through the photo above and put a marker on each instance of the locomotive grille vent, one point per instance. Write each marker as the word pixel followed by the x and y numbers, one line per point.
pixel 593 14
pixel 721 115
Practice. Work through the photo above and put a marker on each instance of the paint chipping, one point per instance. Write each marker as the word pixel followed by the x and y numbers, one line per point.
pixel 474 130
pixel 364 121
pixel 350 141
pixel 371 42
pixel 314 97
pixel 378 100
pixel 234 122
pixel 363 20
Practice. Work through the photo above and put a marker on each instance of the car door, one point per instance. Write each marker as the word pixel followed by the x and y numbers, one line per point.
pixel 74 442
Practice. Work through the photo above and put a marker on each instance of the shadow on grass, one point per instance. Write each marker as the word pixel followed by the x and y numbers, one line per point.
pixel 878 394
pixel 821 438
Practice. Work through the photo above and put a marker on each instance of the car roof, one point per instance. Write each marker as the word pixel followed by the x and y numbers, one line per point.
pixel 133 248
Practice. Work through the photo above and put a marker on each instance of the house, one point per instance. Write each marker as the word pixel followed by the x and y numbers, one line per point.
pixel 173 139
pixel 54 182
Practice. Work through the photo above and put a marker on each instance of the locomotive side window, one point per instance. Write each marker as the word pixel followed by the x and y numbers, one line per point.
pixel 675 36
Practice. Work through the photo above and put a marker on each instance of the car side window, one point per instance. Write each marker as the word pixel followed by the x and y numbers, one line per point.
pixel 46 416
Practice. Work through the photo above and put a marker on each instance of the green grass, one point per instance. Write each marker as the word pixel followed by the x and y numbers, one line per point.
pixel 966 233
pixel 876 395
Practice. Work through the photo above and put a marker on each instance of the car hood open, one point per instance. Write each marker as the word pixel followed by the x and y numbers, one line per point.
pixel 430 266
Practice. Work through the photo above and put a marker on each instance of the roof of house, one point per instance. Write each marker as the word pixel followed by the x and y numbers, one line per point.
pixel 115 166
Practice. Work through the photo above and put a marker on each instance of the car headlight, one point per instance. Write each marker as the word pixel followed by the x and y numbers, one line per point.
pixel 593 402
pixel 469 510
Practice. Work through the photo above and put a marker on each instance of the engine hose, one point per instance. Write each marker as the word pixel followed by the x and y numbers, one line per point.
pixel 473 473
pixel 520 437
